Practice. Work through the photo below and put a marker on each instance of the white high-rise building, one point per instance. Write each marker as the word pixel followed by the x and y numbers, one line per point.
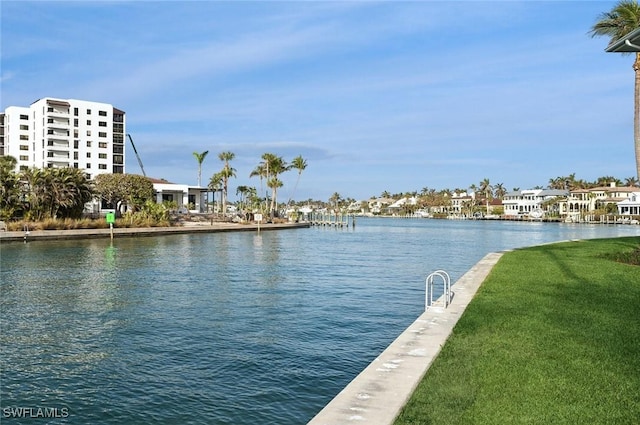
pixel 65 133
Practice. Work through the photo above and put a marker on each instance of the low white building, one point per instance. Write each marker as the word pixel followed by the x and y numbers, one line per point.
pixel 630 205
pixel 191 199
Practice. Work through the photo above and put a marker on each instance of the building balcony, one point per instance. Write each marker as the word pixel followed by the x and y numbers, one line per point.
pixel 58 143
pixel 58 133
pixel 57 155
pixel 58 123
pixel 57 164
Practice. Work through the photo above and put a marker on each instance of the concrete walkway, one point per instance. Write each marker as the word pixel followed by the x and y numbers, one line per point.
pixel 378 393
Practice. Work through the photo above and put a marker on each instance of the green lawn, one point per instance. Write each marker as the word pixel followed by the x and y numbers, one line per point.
pixel 552 337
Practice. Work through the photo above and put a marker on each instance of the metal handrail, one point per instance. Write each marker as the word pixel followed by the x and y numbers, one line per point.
pixel 446 290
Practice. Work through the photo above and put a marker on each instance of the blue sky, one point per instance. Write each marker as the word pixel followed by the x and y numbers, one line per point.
pixel 376 96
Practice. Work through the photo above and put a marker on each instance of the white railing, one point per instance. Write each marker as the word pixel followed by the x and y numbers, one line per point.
pixel 446 288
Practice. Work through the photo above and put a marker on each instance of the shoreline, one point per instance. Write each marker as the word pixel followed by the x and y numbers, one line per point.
pixel 40 235
pixel 379 392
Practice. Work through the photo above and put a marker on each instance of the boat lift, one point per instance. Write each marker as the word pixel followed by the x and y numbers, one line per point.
pixel 137 156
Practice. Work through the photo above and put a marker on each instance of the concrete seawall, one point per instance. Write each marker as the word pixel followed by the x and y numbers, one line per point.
pixel 138 232
pixel 378 393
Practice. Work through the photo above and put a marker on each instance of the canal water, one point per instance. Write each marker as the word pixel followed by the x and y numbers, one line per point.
pixel 223 328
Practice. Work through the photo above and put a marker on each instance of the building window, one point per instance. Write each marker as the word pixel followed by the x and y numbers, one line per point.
pixel 102 166
pixel 102 113
pixel 88 111
pixel 24 127
pixel 75 165
pixel 24 117
pixel 88 122
pixel 102 144
pixel 102 134
pixel 75 122
pixel 76 143
pixel 102 155
pixel 75 155
pixel 88 132
pixel 75 112
pixel 88 165
pixel 102 123
pixel 88 154
pixel 24 137
pixel 24 147
pixel 24 157
pixel 88 143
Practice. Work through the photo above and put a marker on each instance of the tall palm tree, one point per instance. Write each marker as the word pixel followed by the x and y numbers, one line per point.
pixel 615 24
pixel 242 191
pixel 260 171
pixel 272 165
pixel 200 158
pixel 300 164
pixel 215 184
pixel 226 173
pixel 335 200
pixel 485 186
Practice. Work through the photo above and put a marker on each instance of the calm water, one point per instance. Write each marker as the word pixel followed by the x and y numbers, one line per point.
pixel 228 328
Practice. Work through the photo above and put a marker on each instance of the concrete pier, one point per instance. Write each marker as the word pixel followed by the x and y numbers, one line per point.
pixel 378 393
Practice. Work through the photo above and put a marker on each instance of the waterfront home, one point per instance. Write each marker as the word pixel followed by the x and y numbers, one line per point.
pixel 630 205
pixel 583 201
pixel 380 205
pixel 400 206
pixel 461 203
pixel 525 202
pixel 191 199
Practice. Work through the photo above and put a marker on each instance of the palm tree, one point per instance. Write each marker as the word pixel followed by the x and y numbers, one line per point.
pixel 70 191
pixel 10 188
pixel 485 186
pixel 226 173
pixel 335 199
pixel 616 24
pixel 631 181
pixel 37 193
pixel 500 191
pixel 300 164
pixel 270 167
pixel 215 184
pixel 200 158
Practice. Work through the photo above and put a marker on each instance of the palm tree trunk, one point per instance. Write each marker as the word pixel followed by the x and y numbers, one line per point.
pixel 636 117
